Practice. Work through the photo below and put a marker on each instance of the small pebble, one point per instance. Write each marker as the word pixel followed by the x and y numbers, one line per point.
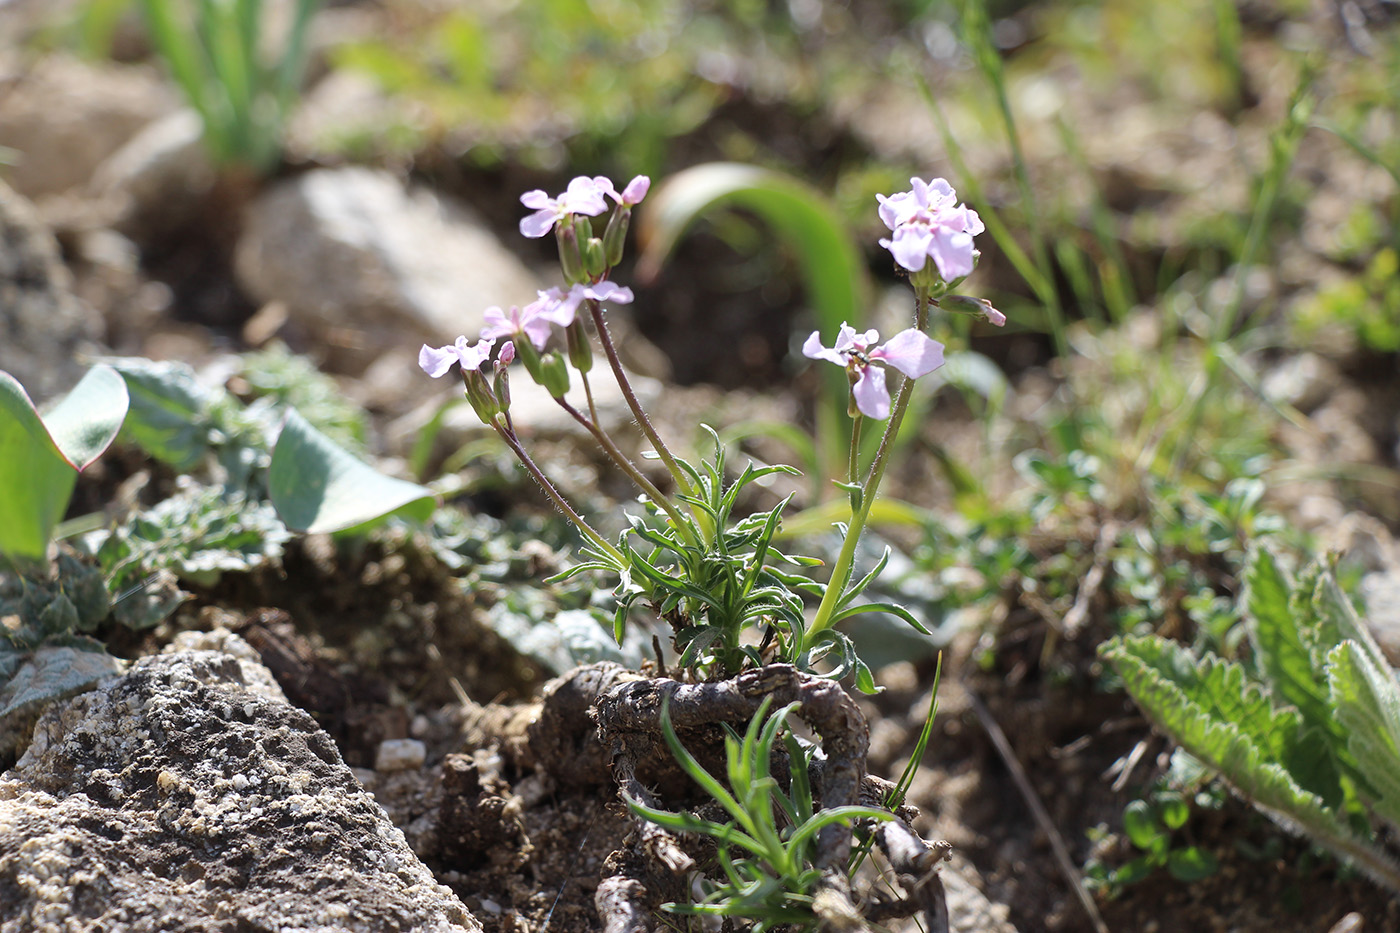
pixel 400 755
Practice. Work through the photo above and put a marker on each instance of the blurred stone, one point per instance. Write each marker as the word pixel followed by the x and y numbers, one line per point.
pixel 180 797
pixel 65 117
pixel 1381 591
pixel 1304 381
pixel 158 180
pixel 366 264
pixel 400 755
pixel 43 325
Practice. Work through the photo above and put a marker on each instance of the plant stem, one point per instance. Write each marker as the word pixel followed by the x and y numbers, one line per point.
pixel 678 520
pixel 556 496
pixel 677 474
pixel 841 572
pixel 662 451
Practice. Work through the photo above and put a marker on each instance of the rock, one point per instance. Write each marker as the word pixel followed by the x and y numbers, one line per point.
pixel 42 324
pixel 176 797
pixel 1381 592
pixel 400 755
pixel 969 910
pixel 158 180
pixel 366 264
pixel 1303 381
pixel 65 117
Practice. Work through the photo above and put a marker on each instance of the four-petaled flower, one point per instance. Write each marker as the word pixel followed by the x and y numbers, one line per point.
pixel 530 321
pixel 928 222
pixel 559 306
pixel 437 361
pixel 911 351
pixel 583 196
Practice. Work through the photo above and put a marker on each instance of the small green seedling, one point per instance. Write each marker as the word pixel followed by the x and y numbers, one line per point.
pixel 763 870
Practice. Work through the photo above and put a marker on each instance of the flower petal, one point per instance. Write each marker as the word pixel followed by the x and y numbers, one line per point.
pixel 812 349
pixel 912 352
pixel 585 196
pixel 435 361
pixel 608 291
pixel 538 224
pixel 472 357
pixel 497 324
pixel 872 398
pixel 910 246
pixel 537 200
pixel 952 253
pixel 636 189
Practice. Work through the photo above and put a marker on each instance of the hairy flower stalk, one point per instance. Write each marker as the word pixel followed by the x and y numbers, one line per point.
pixel 615 363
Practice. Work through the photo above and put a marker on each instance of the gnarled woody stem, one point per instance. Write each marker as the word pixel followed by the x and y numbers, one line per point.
pixel 629 725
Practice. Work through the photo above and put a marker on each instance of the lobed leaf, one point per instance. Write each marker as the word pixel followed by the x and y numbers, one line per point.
pixel 1243 739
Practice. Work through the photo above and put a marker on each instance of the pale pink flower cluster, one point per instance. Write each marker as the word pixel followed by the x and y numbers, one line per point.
pixel 583 196
pixel 928 222
pixel 910 351
pixel 555 307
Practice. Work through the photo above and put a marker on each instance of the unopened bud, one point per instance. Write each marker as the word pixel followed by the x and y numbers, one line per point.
pixel 977 307
pixel 479 395
pixel 579 346
pixel 554 374
pixel 595 258
pixel 531 358
pixel 570 259
pixel 615 236
pixel 501 385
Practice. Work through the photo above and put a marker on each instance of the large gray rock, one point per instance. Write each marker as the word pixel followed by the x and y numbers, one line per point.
pixel 42 324
pixel 186 795
pixel 369 264
pixel 65 117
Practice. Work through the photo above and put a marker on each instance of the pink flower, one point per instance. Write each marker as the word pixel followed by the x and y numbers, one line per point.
pixel 928 222
pixel 910 351
pixel 632 195
pixel 518 322
pixel 559 307
pixel 583 196
pixel 436 362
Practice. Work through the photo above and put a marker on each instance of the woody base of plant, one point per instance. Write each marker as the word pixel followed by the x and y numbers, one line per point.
pixel 773 842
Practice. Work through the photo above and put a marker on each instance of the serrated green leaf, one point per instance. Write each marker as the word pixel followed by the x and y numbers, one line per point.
pixel 1242 739
pixel 1293 672
pixel 1367 703
pixel 318 487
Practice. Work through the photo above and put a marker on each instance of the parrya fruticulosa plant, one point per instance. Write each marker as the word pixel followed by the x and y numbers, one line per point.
pixel 713 575
pixel 1308 731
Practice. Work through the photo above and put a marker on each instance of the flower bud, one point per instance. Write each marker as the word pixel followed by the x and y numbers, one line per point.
pixel 595 259
pixel 570 259
pixel 579 346
pixel 554 374
pixel 615 236
pixel 977 307
pixel 479 395
pixel 531 358
pixel 500 385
